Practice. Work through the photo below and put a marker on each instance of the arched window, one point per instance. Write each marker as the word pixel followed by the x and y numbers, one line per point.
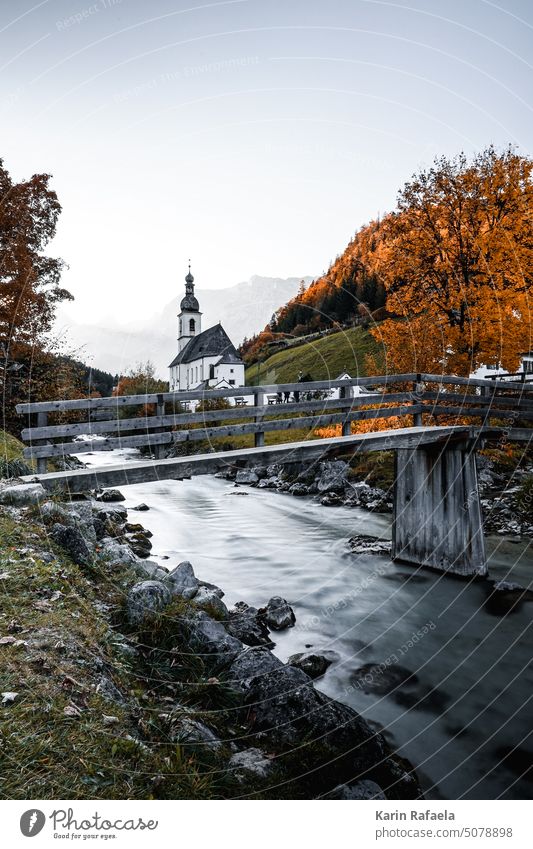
pixel 191 325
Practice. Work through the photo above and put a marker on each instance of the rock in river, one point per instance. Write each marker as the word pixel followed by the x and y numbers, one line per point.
pixel 313 663
pixel 278 614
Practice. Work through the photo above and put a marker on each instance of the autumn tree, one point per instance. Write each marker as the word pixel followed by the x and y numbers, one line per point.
pixel 29 278
pixel 456 260
pixel 140 380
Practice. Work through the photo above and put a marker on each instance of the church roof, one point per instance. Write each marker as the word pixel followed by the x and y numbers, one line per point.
pixel 213 342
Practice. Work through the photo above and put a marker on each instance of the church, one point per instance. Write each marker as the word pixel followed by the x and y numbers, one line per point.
pixel 205 359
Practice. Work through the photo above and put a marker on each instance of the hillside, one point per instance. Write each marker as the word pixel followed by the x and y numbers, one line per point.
pixel 320 358
pixel 350 292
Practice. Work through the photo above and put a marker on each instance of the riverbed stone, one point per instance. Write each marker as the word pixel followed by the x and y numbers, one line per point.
pixel 150 570
pixel 210 640
pixel 278 614
pixel 247 476
pixel 23 495
pixel 182 580
pixel 313 663
pixel 249 764
pixel 110 495
pixel 257 661
pixel 286 709
pixel 116 553
pixel 146 599
pixel 245 623
pixel 332 476
pixel 189 731
pixel 71 540
pixel 210 601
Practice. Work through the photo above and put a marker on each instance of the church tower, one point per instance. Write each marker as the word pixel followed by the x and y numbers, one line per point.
pixel 190 317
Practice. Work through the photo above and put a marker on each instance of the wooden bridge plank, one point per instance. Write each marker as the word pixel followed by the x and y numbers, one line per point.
pixel 81 480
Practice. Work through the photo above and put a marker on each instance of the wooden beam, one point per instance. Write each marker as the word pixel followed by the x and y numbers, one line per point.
pixel 81 480
pixel 203 394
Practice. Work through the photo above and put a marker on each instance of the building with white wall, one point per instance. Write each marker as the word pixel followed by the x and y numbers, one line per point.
pixel 205 359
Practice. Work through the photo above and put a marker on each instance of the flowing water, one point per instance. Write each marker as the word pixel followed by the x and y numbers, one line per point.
pixel 466 724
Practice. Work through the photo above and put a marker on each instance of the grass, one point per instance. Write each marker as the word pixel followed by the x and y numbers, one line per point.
pixel 323 358
pixel 12 462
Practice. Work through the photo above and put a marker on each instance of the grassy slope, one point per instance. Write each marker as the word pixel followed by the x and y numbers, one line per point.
pixel 322 359
pixel 10 447
pixel 57 610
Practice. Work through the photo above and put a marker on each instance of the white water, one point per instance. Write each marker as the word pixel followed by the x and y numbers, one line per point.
pixel 257 543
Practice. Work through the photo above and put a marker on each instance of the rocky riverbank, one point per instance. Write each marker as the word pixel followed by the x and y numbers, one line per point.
pixel 506 494
pixel 122 678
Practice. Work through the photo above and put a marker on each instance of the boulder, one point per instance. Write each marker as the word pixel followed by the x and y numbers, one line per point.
pixel 145 599
pixel 364 789
pixel 252 663
pixel 286 709
pixel 246 476
pixel 245 624
pixel 182 580
pixel 210 601
pixel 299 489
pixel 278 614
pixel 23 495
pixel 116 553
pixel 114 512
pixel 213 587
pixel 82 514
pixel 249 764
pixel 110 495
pixel 313 663
pixel 141 507
pixel 332 476
pixel 192 732
pixel 150 570
pixel 71 540
pixel 209 638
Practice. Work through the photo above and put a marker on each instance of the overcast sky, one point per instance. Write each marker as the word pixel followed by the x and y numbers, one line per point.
pixel 253 135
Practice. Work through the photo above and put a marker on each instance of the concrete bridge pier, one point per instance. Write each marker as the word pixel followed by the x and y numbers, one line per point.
pixel 437 513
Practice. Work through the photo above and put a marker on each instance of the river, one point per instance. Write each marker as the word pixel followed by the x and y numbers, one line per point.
pixel 469 731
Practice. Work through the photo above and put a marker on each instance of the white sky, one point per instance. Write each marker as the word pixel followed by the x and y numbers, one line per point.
pixel 254 136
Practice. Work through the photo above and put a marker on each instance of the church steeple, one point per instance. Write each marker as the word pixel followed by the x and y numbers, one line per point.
pixel 190 323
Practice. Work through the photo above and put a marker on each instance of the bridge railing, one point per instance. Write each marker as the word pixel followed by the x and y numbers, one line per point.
pixel 163 421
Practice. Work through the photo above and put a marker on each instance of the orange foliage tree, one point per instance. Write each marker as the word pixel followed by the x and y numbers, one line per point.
pixel 456 260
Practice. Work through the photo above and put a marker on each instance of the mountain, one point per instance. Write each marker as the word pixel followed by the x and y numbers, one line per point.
pixel 243 309
pixel 351 291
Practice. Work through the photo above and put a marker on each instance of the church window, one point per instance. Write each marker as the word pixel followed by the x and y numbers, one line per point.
pixel 191 325
pixel 231 382
pixel 211 372
pixel 181 327
pixel 196 374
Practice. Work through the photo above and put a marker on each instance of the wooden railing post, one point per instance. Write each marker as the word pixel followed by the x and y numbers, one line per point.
pixel 42 463
pixel 418 388
pixel 346 392
pixel 159 411
pixel 259 437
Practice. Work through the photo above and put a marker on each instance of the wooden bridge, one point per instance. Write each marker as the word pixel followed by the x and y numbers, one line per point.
pixel 444 419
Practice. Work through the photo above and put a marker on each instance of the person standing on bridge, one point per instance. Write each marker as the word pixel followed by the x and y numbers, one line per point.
pixel 297 391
